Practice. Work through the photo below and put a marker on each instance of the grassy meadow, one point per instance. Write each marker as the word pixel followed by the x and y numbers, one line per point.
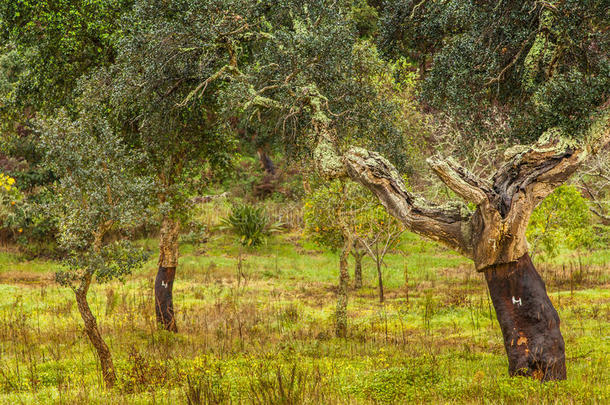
pixel 256 326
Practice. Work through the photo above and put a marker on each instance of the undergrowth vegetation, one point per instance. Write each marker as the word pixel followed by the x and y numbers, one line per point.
pixel 257 328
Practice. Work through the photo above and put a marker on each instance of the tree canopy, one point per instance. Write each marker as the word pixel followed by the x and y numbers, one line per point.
pixel 541 65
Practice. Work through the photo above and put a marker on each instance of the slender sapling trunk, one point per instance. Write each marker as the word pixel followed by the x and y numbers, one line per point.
pixel 341 312
pixel 357 269
pixel 93 332
pixel 380 277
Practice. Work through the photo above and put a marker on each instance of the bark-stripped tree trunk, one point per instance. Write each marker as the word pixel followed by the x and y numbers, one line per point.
pixel 164 283
pixel 93 331
pixel 529 322
pixel 493 235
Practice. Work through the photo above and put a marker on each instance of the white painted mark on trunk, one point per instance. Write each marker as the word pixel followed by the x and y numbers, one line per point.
pixel 164 284
pixel 517 301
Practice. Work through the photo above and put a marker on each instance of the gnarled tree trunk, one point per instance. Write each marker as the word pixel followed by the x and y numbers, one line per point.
pixel 164 283
pixel 493 235
pixel 93 332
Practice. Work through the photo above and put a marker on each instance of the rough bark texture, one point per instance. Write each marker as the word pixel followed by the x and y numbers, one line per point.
pixel 93 332
pixel 495 232
pixel 441 223
pixel 341 313
pixel 529 322
pixel 493 235
pixel 164 282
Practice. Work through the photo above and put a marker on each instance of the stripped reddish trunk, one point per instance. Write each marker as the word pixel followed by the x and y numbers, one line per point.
pixel 529 322
pixel 164 301
pixel 493 236
pixel 164 282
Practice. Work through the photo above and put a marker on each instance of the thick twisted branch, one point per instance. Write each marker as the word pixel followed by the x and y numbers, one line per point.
pixel 457 178
pixel 448 224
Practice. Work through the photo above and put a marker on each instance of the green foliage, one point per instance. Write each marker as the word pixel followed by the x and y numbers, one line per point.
pixel 563 219
pixel 389 119
pixel 365 18
pixel 320 215
pixel 251 224
pixel 305 69
pixel 22 161
pixel 333 203
pixel 9 194
pixel 35 227
pixel 10 197
pixel 159 99
pixel 113 261
pixel 98 189
pixel 542 64
pixel 55 42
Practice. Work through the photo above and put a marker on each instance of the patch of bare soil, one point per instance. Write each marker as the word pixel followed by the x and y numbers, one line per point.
pixel 24 278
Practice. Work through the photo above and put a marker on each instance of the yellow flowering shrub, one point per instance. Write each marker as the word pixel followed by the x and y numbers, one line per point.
pixel 6 182
pixel 9 196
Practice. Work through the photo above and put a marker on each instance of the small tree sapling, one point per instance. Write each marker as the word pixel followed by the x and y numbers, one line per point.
pixel 97 191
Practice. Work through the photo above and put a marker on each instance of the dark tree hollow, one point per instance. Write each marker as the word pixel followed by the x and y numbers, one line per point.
pixel 164 303
pixel 529 322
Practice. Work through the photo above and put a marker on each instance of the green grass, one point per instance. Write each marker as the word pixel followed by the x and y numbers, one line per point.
pixel 435 340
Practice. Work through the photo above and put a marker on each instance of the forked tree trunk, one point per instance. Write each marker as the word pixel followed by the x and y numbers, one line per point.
pixel 164 283
pixel 529 322
pixel 341 312
pixel 493 235
pixel 91 328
